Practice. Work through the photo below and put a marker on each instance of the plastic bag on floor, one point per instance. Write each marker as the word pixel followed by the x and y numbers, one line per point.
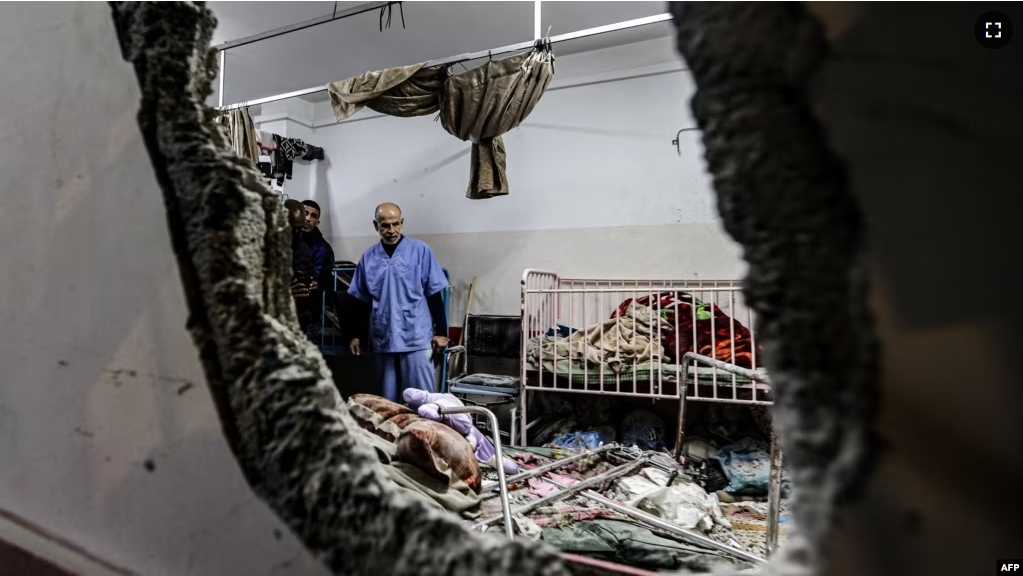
pixel 633 487
pixel 655 475
pixel 579 441
pixel 682 504
pixel 648 480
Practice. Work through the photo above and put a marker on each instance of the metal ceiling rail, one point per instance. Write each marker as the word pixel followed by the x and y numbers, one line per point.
pixel 301 25
pixel 477 55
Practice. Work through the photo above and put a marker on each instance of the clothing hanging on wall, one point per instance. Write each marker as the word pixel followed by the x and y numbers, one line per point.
pixel 477 105
pixel 283 151
pixel 293 148
pixel 241 134
pixel 282 164
pixel 313 153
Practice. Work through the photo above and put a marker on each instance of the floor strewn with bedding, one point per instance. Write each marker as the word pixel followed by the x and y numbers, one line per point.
pixel 581 526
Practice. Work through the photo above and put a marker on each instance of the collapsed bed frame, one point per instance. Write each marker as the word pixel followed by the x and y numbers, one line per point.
pixel 554 307
pixel 628 461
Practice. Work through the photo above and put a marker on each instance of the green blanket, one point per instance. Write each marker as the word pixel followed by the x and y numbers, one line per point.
pixel 635 545
pixel 453 495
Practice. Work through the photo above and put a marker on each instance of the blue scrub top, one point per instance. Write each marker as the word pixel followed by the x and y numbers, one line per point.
pixel 397 287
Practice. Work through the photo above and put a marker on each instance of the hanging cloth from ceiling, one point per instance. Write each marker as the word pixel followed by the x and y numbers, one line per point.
pixel 482 104
pixel 241 133
pixel 478 105
pixel 404 92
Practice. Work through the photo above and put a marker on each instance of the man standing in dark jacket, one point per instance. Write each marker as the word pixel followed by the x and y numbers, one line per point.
pixel 322 253
pixel 304 285
pixel 322 264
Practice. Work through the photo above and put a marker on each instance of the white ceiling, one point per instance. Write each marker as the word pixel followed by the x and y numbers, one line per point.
pixel 433 30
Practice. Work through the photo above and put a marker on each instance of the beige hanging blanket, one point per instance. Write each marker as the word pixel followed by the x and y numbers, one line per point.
pixel 404 92
pixel 478 105
pixel 241 133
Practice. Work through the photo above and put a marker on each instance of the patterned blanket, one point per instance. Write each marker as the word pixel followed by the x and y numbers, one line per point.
pixel 711 327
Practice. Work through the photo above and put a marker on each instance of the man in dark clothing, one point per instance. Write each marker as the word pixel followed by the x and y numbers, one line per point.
pixel 322 267
pixel 303 280
pixel 322 253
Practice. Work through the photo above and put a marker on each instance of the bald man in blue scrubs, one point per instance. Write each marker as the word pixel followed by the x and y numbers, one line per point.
pixel 399 284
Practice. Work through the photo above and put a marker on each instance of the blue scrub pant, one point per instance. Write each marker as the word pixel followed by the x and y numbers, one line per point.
pixel 398 371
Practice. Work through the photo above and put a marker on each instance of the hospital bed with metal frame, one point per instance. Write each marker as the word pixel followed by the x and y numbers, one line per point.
pixel 554 306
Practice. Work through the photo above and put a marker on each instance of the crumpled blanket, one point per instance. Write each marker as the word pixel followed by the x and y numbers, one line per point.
pixel 625 339
pixel 713 329
pixel 453 495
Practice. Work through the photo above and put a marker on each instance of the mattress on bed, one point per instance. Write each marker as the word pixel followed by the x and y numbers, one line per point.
pixel 576 371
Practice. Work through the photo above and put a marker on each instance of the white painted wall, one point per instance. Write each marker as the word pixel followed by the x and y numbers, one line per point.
pixel 94 354
pixel 597 188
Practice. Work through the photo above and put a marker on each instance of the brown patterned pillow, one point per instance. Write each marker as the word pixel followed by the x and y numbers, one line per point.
pixel 403 420
pixel 379 415
pixel 438 450
pixel 382 406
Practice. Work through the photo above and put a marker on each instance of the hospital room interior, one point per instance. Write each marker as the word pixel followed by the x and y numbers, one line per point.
pixel 515 287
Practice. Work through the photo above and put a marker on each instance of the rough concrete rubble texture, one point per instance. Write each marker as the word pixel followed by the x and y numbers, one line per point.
pixel 783 196
pixel 280 411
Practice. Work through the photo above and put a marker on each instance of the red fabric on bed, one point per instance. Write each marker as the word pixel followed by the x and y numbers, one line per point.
pixel 714 342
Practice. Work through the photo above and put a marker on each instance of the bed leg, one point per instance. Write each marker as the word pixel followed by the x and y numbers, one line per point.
pixel 522 417
pixel 513 424
pixel 774 495
pixel 680 433
pixel 502 482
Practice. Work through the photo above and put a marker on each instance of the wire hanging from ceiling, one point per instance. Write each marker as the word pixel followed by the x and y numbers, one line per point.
pixel 389 9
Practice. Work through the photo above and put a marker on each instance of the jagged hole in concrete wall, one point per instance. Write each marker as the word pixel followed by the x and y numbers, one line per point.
pixel 782 195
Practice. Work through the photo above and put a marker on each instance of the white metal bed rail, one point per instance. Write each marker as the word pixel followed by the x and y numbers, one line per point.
pixel 707 317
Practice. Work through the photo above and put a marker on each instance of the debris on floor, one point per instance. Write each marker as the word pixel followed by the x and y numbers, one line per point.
pixel 747 464
pixel 660 488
